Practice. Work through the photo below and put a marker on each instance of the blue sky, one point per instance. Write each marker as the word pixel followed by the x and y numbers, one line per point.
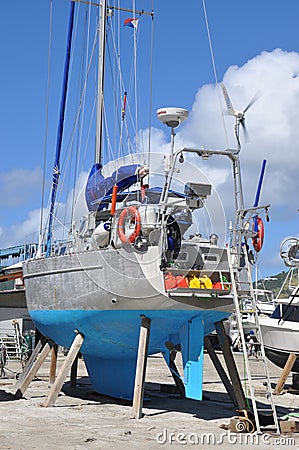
pixel 244 37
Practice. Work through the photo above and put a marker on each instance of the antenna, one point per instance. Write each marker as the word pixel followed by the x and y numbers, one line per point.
pixel 172 117
pixel 239 115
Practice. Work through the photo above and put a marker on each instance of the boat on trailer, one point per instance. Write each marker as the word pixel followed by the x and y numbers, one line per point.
pixel 130 257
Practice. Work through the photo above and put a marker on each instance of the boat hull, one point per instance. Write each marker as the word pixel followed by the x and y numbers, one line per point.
pixel 103 297
pixel 111 339
pixel 279 358
pixel 280 339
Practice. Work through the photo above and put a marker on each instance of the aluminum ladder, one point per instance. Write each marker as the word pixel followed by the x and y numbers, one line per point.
pixel 12 341
pixel 242 290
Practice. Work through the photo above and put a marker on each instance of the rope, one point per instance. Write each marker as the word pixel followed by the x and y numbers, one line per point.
pixel 214 68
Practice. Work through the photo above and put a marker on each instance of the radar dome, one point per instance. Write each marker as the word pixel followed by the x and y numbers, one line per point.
pixel 172 117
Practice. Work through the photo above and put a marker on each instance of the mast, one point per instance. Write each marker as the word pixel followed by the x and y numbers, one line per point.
pixel 101 76
pixel 56 166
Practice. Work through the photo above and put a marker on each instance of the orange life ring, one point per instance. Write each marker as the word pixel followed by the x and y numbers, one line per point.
pixel 133 212
pixel 258 239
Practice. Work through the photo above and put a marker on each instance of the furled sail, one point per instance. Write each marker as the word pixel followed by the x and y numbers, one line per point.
pixel 98 186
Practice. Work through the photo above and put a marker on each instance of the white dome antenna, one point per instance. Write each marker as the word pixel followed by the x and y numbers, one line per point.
pixel 172 117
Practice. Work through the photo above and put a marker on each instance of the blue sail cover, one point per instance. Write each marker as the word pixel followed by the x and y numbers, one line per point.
pixel 98 186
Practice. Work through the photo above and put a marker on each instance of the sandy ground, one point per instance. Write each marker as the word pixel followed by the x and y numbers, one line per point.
pixel 82 419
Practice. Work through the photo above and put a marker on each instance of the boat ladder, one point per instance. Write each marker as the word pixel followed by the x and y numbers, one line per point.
pixel 10 344
pixel 243 293
pixel 11 341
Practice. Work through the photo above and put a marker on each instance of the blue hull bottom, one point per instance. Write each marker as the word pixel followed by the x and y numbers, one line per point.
pixel 111 342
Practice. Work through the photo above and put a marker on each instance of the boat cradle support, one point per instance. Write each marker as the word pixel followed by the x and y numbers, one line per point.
pixel 36 360
pixel 144 336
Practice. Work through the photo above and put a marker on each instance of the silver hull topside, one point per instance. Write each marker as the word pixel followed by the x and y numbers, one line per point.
pixel 110 279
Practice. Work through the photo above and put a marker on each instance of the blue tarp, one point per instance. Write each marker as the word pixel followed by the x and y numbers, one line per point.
pixel 98 186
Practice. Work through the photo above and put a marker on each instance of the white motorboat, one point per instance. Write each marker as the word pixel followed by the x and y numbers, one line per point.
pixel 280 331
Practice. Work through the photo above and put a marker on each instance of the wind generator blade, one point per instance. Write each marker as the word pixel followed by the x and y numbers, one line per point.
pixel 245 132
pixel 252 101
pixel 229 105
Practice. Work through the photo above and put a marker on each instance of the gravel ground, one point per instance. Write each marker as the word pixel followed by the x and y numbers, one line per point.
pixel 82 419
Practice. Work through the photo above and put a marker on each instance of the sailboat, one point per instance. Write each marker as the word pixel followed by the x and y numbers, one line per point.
pixel 130 256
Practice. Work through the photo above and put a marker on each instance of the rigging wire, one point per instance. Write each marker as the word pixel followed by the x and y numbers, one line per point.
pixel 66 166
pixel 150 89
pixel 133 87
pixel 47 120
pixel 132 116
pixel 88 68
pixel 81 116
pixel 125 122
pixel 81 103
pixel 118 84
pixel 56 168
pixel 80 113
pixel 78 121
pixel 119 90
pixel 88 40
pixel 76 152
pixel 135 29
pixel 214 68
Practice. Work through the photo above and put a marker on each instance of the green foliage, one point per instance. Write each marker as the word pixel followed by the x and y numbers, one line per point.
pixel 287 279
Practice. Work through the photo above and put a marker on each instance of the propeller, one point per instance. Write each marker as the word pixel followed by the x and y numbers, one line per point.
pixel 239 115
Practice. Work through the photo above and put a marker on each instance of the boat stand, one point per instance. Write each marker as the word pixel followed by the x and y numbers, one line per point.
pixel 65 369
pixel 53 364
pixel 234 388
pixel 221 372
pixel 141 367
pixel 40 353
pixel 285 373
pixel 32 366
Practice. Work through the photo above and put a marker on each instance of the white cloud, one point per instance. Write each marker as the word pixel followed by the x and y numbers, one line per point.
pixel 18 234
pixel 18 186
pixel 272 123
